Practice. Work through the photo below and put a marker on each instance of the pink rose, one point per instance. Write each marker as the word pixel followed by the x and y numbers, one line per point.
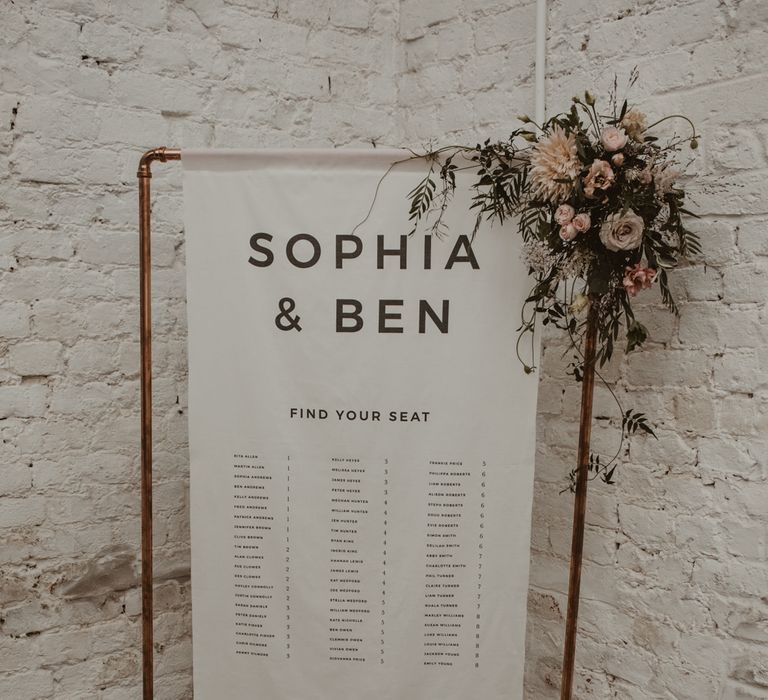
pixel 599 177
pixel 622 232
pixel 581 222
pixel 568 232
pixel 613 138
pixel 617 159
pixel 564 213
pixel 637 278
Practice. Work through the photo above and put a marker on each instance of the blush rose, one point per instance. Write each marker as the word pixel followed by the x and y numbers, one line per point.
pixel 581 222
pixel 622 232
pixel 564 213
pixel 613 138
pixel 568 232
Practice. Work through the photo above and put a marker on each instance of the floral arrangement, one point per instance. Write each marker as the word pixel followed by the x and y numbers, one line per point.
pixel 601 217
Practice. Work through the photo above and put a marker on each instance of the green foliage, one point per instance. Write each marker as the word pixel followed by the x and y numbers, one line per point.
pixel 632 422
pixel 421 198
pixel 575 268
pixel 636 335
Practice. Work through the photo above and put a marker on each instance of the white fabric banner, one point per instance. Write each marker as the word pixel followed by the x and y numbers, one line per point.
pixel 361 434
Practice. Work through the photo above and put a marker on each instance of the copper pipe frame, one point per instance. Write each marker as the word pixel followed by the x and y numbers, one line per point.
pixel 580 504
pixel 145 333
pixel 144 175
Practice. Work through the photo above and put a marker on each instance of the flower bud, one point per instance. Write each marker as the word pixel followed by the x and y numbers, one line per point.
pixel 694 143
pixel 580 302
pixel 589 98
pixel 524 118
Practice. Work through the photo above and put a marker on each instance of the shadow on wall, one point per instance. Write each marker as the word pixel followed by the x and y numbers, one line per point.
pixel 112 570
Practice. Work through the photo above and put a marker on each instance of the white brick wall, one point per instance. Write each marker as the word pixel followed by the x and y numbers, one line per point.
pixel 676 553
pixel 675 579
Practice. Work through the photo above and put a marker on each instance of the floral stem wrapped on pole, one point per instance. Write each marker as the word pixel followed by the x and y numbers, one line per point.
pixel 600 212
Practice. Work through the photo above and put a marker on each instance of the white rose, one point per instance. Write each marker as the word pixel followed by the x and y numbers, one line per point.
pixel 622 232
pixel 613 138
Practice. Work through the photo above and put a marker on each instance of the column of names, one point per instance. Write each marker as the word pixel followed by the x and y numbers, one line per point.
pixel 449 552
pixel 352 568
pixel 256 500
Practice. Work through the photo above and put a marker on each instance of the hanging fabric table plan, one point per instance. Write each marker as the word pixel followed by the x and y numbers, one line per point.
pixel 361 436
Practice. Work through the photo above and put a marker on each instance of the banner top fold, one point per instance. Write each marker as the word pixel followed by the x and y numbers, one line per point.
pixel 229 160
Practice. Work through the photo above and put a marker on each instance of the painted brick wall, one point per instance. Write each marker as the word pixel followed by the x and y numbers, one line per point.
pixel 675 581
pixel 675 577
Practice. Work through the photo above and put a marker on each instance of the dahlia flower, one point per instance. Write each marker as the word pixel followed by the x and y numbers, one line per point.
pixel 554 165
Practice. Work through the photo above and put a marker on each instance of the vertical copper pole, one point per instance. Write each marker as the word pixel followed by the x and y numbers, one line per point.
pixel 580 503
pixel 145 334
pixel 145 331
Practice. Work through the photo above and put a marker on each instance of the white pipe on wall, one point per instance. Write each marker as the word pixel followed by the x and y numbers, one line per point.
pixel 541 60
